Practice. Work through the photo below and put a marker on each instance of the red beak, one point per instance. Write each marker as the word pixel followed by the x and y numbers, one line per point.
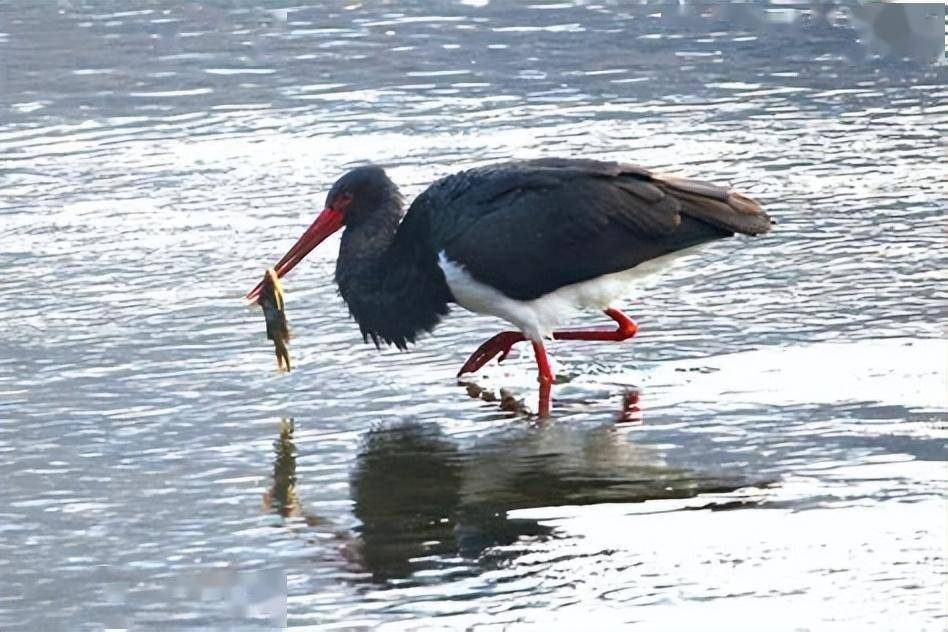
pixel 328 222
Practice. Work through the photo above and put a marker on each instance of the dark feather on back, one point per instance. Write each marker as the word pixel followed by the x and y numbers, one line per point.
pixel 531 227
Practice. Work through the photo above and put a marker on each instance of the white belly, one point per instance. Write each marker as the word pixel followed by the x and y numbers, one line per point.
pixel 539 317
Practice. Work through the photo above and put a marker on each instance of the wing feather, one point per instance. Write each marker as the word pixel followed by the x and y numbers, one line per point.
pixel 530 227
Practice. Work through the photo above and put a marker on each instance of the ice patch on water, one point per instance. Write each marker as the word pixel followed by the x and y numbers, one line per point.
pixel 900 371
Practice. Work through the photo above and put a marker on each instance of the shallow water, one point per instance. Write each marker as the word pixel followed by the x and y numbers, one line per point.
pixel 789 469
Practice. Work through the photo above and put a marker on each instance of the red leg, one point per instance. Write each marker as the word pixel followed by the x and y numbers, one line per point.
pixel 499 344
pixel 626 329
pixel 545 378
pixel 505 340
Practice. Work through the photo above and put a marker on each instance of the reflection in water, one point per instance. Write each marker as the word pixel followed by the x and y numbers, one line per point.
pixel 425 503
pixel 407 492
pixel 505 399
pixel 631 411
pixel 282 496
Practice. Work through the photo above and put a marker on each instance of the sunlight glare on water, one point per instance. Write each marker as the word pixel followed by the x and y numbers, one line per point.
pixel 789 470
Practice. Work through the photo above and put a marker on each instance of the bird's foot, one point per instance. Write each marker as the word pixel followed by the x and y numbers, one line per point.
pixel 626 329
pixel 498 345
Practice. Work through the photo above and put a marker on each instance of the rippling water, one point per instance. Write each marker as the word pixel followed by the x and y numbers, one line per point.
pixel 789 472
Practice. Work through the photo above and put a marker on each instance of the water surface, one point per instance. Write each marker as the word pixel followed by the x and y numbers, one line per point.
pixel 789 469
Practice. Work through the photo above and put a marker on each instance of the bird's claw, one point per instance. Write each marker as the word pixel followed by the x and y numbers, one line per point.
pixel 500 344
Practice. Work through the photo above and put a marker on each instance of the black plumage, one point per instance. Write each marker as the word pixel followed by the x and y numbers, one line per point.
pixel 525 228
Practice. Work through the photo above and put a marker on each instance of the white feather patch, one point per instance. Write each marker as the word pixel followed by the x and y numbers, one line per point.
pixel 539 317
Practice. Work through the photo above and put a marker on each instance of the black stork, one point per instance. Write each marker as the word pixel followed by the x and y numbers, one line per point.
pixel 527 241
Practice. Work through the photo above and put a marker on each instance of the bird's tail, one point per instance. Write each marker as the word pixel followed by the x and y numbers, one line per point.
pixel 717 205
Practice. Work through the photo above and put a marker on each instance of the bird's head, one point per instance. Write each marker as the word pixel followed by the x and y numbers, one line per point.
pixel 353 197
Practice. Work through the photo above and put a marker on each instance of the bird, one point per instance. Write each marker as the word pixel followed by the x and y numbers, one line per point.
pixel 528 241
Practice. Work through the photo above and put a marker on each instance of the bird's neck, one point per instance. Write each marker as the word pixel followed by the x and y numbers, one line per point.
pixel 390 278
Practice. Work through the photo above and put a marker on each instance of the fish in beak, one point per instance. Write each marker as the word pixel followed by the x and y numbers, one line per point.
pixel 271 300
pixel 328 222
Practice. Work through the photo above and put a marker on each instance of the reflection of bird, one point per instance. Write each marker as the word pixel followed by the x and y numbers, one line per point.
pixel 406 488
pixel 525 241
pixel 423 501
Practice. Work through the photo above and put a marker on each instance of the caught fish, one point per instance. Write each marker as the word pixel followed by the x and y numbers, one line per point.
pixel 271 300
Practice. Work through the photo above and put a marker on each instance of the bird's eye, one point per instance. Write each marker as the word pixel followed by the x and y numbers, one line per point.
pixel 341 201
